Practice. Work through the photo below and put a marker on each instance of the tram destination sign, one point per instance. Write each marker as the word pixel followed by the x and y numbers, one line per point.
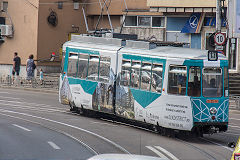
pixel 212 55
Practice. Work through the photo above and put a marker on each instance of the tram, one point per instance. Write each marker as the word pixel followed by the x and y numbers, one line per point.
pixel 174 88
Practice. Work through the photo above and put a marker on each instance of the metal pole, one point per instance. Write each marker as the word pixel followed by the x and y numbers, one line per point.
pixel 218 16
pixel 85 19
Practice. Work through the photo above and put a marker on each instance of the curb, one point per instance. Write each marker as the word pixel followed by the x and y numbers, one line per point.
pixel 31 89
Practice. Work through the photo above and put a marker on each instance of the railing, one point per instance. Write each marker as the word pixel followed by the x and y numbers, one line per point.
pixel 48 82
pixel 236 100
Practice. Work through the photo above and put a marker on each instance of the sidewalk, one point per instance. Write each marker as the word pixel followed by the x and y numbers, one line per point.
pixel 49 86
pixel 36 89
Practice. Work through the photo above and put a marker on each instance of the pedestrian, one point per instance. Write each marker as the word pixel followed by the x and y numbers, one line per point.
pixel 41 76
pixel 16 67
pixel 30 67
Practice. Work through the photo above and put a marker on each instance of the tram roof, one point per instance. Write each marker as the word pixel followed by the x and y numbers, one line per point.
pixel 136 48
pixel 171 52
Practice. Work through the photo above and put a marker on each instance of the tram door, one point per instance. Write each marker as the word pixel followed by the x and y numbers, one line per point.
pixel 103 96
pixel 194 82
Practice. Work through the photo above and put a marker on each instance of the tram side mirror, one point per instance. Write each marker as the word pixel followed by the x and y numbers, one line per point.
pixel 232 144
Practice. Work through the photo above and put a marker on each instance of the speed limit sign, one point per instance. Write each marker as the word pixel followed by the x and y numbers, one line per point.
pixel 219 38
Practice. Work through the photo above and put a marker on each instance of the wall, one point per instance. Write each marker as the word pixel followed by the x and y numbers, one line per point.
pixel 50 39
pixel 24 15
pixel 145 33
pixel 116 7
pixel 181 3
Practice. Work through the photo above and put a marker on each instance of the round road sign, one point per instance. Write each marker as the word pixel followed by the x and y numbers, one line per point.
pixel 219 38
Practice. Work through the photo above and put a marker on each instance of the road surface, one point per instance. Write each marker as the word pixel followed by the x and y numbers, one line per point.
pixel 80 137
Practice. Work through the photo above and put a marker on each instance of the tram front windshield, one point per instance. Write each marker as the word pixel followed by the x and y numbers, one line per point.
pixel 212 82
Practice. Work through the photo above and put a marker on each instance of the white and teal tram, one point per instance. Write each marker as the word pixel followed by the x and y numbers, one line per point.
pixel 168 87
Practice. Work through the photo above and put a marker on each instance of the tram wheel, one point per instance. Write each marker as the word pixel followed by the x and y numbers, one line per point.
pixel 155 128
pixel 71 106
pixel 80 110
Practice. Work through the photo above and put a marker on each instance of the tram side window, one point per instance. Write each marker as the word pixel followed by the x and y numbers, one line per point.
pixel 156 85
pixel 177 80
pixel 125 74
pixel 194 82
pixel 82 66
pixel 146 76
pixel 212 82
pixel 135 79
pixel 72 65
pixel 63 60
pixel 93 68
pixel 226 81
pixel 104 69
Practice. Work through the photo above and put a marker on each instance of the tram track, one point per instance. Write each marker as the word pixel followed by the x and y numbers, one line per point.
pixel 106 140
pixel 49 109
pixel 55 130
pixel 206 155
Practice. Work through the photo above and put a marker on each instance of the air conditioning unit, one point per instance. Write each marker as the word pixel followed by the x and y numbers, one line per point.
pixel 6 30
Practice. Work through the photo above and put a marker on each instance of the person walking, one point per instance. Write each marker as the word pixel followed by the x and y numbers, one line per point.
pixel 41 76
pixel 16 67
pixel 30 68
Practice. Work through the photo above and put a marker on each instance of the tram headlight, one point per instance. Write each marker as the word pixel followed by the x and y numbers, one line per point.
pixel 213 110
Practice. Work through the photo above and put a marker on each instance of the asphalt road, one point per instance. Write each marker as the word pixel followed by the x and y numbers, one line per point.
pixel 80 137
pixel 24 140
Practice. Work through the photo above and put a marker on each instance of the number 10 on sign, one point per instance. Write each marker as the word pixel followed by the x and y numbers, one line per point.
pixel 219 39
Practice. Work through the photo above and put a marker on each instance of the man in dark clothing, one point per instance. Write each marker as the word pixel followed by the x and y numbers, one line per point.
pixel 16 66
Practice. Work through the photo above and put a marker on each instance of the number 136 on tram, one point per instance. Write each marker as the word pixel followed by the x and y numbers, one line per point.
pixel 170 88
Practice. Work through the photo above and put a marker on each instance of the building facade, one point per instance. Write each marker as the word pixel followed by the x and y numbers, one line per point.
pixel 40 27
pixel 181 14
pixel 37 27
pixel 168 21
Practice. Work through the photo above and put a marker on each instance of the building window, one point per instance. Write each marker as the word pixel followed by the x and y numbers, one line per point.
pixel 144 21
pixel 131 21
pixel 157 21
pixel 4 6
pixel 60 5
